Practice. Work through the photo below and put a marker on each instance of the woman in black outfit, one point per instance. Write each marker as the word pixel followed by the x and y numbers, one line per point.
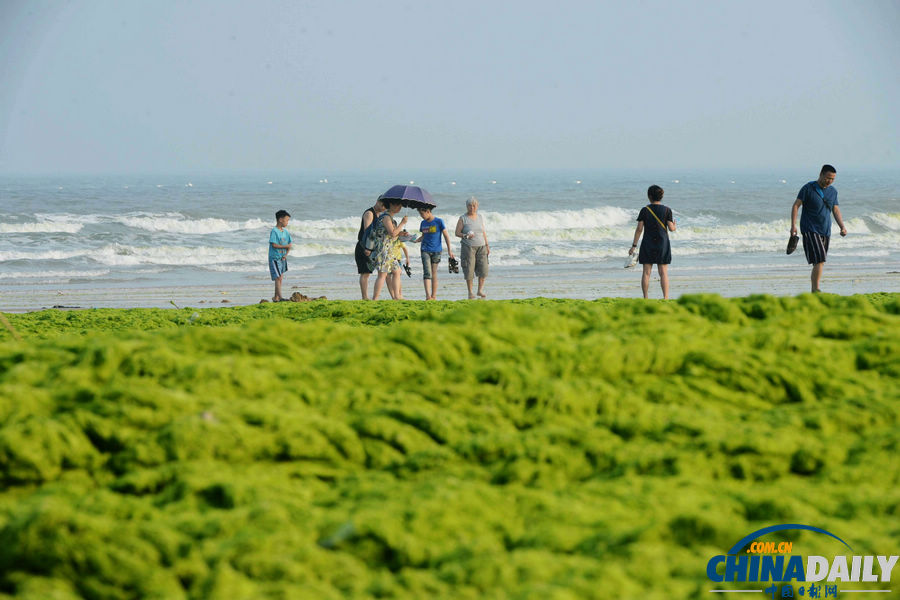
pixel 657 219
pixel 361 255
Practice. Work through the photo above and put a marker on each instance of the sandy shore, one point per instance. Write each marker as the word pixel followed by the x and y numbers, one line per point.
pixel 578 284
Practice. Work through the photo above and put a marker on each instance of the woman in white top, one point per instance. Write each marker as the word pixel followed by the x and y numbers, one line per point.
pixel 474 248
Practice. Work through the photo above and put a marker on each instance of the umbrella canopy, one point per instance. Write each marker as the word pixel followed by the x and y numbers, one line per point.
pixel 411 196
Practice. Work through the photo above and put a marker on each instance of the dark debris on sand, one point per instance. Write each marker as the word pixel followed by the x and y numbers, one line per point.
pixel 296 297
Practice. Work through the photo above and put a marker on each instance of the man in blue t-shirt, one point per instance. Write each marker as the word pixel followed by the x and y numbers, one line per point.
pixel 280 244
pixel 431 229
pixel 819 201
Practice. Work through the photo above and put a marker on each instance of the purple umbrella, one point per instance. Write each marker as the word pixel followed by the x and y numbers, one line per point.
pixel 411 196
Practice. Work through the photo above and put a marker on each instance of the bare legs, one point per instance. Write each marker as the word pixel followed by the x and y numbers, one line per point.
pixel 277 297
pixel 645 280
pixel 431 286
pixel 815 277
pixel 663 280
pixel 396 284
pixel 364 285
pixel 393 285
pixel 379 283
pixel 481 293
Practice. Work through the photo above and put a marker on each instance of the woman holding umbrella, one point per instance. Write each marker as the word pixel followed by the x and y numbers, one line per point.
pixel 410 196
pixel 386 233
pixel 474 248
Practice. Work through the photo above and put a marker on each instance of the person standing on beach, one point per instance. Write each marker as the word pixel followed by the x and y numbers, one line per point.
pixel 474 248
pixel 363 266
pixel 819 201
pixel 280 243
pixel 656 249
pixel 386 231
pixel 395 279
pixel 431 229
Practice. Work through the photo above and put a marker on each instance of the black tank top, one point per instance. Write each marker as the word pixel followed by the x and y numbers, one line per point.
pixel 362 223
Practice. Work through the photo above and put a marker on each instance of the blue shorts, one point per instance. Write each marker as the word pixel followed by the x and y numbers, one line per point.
pixel 429 259
pixel 277 267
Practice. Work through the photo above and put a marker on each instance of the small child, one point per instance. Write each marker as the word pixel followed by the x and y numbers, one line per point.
pixel 280 243
pixel 431 229
pixel 401 254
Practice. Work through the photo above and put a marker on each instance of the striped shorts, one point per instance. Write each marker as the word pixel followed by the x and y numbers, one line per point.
pixel 815 246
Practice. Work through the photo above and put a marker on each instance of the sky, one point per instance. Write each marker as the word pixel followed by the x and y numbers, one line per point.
pixel 133 86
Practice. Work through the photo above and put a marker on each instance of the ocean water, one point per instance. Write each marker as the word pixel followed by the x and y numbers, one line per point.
pixel 146 240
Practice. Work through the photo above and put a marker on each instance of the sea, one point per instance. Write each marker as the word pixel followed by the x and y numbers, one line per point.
pixel 200 239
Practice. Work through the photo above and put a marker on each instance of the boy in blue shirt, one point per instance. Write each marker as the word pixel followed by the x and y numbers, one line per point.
pixel 280 244
pixel 431 229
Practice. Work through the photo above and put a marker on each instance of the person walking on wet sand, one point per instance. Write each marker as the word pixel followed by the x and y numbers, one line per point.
pixel 280 243
pixel 819 201
pixel 656 249
pixel 474 249
pixel 431 230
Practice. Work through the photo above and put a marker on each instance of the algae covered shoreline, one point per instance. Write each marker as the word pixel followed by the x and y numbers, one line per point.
pixel 508 449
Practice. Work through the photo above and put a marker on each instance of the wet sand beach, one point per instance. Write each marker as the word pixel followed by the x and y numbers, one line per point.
pixel 572 281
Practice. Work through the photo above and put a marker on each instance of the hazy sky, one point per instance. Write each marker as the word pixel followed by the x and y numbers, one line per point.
pixel 159 85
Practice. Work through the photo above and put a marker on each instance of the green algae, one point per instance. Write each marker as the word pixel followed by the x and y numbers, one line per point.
pixel 521 449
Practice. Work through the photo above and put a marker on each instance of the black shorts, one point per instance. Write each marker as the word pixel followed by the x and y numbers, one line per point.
pixel 815 246
pixel 362 261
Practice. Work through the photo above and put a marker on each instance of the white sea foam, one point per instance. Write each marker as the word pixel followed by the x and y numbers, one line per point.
pixel 128 255
pixel 832 252
pixel 60 276
pixel 536 225
pixel 245 268
pixel 307 250
pixel 177 223
pixel 254 268
pixel 170 222
pixel 890 221
pixel 588 218
pixel 118 255
pixel 327 229
pixel 687 231
pixel 603 224
pixel 41 227
pixel 578 253
pixel 124 255
pixel 509 257
pixel 857 225
pixel 510 261
pixel 44 255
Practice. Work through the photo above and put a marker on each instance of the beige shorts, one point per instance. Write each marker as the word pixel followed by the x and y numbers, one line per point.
pixel 474 261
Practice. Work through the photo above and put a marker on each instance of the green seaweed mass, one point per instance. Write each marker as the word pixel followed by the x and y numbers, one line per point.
pixel 546 449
